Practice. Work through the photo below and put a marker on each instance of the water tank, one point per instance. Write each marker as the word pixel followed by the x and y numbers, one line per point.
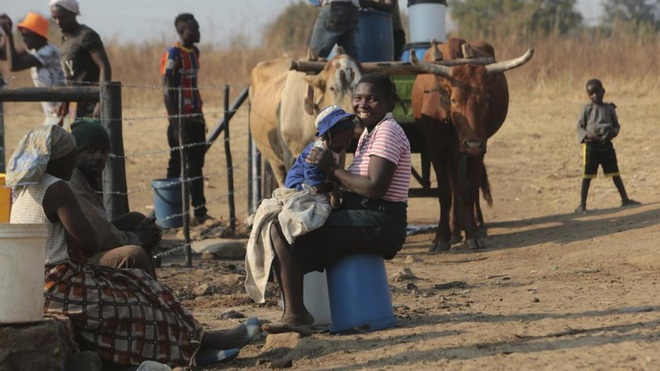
pixel 427 20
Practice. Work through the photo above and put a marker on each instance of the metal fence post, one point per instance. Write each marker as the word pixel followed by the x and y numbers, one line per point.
pixel 114 176
pixel 230 169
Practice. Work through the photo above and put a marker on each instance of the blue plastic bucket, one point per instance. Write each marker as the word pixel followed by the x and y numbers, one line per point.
pixel 375 40
pixel 359 294
pixel 167 202
pixel 419 48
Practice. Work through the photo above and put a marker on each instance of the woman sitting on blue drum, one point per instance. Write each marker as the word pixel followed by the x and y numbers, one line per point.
pixel 372 218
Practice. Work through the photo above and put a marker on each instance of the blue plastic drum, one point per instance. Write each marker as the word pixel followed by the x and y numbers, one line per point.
pixel 375 39
pixel 359 294
pixel 375 36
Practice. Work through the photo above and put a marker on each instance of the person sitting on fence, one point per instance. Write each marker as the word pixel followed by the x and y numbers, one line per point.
pixel 83 55
pixel 372 217
pixel 124 242
pixel 39 55
pixel 179 68
pixel 124 315
pixel 300 207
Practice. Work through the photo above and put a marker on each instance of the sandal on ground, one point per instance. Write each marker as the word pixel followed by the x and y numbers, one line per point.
pixel 281 328
pixel 252 327
pixel 630 202
pixel 581 209
pixel 207 356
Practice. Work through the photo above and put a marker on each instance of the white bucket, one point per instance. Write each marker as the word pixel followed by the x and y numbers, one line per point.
pixel 427 21
pixel 315 297
pixel 22 256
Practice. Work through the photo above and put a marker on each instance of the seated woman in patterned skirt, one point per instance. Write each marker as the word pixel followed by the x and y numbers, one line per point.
pixel 124 315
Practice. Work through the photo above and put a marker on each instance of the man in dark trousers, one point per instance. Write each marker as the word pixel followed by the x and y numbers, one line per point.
pixel 179 68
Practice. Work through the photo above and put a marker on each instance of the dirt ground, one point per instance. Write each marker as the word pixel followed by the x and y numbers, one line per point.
pixel 553 290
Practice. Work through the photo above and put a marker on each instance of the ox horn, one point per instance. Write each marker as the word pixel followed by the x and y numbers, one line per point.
pixel 511 63
pixel 437 56
pixel 429 67
pixel 467 51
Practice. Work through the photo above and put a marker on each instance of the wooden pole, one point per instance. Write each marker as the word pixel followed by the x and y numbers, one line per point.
pixel 391 68
pixel 52 94
pixel 230 167
pixel 114 175
pixel 228 115
pixel 185 190
pixel 3 83
pixel 2 139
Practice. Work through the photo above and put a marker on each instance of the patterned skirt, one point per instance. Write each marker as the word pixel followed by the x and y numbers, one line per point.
pixel 124 315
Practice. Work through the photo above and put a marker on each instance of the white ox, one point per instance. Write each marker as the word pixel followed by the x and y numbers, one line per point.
pixel 283 112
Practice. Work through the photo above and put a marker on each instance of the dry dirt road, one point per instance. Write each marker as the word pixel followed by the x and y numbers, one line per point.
pixel 553 289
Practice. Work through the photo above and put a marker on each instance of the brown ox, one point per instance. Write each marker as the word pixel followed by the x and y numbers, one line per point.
pixel 283 111
pixel 458 108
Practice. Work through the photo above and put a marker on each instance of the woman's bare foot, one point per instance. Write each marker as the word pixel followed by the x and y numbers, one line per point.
pixel 290 323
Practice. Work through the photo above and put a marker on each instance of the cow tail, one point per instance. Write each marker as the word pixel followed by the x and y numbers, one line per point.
pixel 485 186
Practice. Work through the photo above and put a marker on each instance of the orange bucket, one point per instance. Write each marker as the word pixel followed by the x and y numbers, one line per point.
pixel 5 200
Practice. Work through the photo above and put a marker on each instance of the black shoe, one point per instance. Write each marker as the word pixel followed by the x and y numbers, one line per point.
pixel 200 220
pixel 630 202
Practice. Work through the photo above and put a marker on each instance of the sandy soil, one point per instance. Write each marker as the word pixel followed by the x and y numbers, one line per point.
pixel 553 290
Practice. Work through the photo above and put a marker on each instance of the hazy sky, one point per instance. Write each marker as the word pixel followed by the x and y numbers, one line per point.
pixel 140 20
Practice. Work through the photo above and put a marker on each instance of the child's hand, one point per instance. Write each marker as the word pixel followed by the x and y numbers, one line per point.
pixel 321 158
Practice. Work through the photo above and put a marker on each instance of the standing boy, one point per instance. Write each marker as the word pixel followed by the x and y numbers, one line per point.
pixel 42 58
pixel 179 68
pixel 83 55
pixel 597 126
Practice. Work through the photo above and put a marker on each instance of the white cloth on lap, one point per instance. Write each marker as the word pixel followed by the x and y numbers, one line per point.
pixel 298 212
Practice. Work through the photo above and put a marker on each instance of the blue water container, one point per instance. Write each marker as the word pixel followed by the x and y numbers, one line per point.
pixel 375 40
pixel 359 294
pixel 167 202
pixel 420 49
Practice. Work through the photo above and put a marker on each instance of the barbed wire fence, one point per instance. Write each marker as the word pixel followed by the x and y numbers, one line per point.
pixel 143 162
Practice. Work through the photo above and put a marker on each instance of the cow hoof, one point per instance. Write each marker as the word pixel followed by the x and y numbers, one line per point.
pixel 483 231
pixel 471 244
pixel 455 239
pixel 481 243
pixel 439 247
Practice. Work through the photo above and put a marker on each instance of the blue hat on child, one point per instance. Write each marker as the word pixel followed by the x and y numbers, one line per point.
pixel 331 116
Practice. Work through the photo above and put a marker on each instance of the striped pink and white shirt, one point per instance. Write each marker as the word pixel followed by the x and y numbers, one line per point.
pixel 386 140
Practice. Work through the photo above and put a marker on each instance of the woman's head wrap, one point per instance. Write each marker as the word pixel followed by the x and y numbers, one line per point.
pixel 70 5
pixel 29 161
pixel 88 131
